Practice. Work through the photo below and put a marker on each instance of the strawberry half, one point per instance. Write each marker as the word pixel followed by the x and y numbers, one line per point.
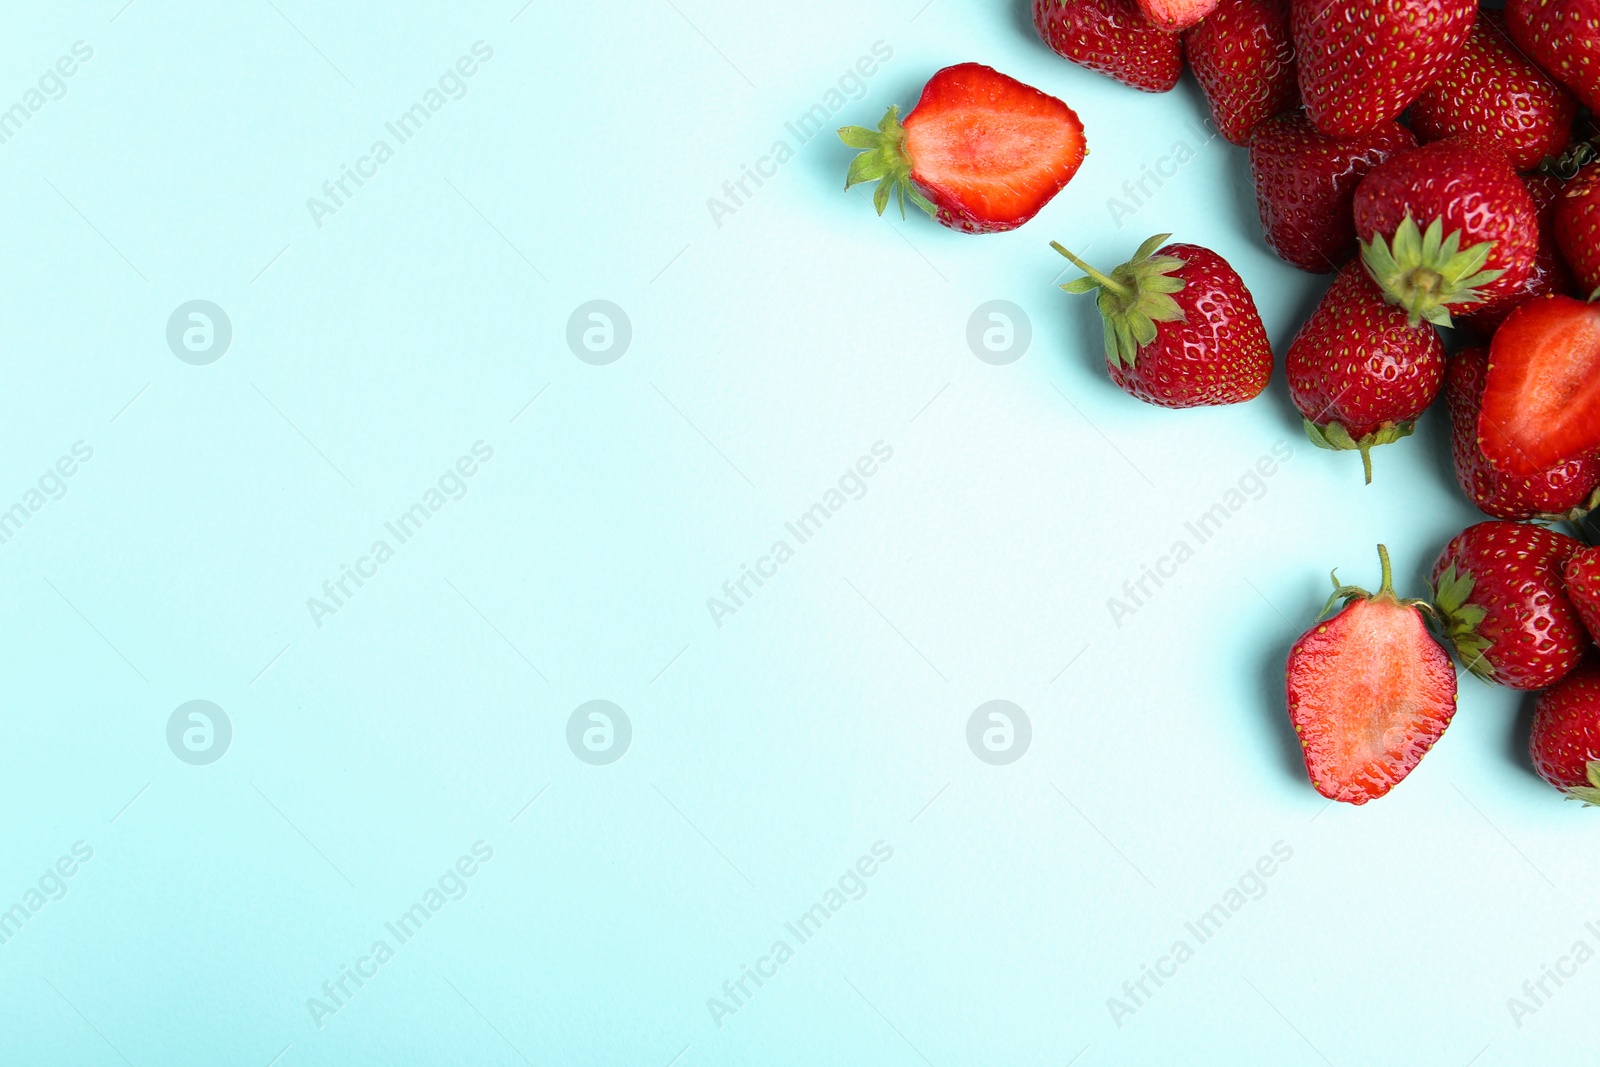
pixel 981 152
pixel 1306 186
pixel 1502 603
pixel 1577 227
pixel 1447 227
pixel 1359 373
pixel 1369 691
pixel 1568 491
pixel 1113 38
pixel 1565 742
pixel 1181 329
pixel 1364 61
pixel 1582 577
pixel 1175 15
pixel 1541 404
pixel 1243 57
pixel 1563 37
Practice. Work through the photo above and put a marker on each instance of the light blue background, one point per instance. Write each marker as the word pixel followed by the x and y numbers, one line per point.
pixel 768 353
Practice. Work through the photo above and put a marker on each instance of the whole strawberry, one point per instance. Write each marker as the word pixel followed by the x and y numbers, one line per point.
pixel 1113 38
pixel 1565 742
pixel 1446 227
pixel 1577 228
pixel 1563 37
pixel 981 152
pixel 1181 329
pixel 1243 58
pixel 1492 91
pixel 1359 373
pixel 1502 603
pixel 1306 186
pixel 1364 61
pixel 1568 491
pixel 1369 692
pixel 1582 578
pixel 1550 273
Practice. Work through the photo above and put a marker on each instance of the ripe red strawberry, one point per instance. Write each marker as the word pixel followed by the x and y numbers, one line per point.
pixel 1358 372
pixel 1492 91
pixel 1243 58
pixel 1565 742
pixel 1577 226
pixel 1112 37
pixel 1175 15
pixel 981 152
pixel 1306 186
pixel 1582 578
pixel 1563 37
pixel 1549 273
pixel 1567 491
pixel 1369 692
pixel 1364 61
pixel 1541 404
pixel 1446 227
pixel 1502 603
pixel 1181 329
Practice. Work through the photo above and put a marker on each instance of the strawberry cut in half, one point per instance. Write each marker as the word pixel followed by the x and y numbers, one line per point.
pixel 1175 15
pixel 1541 401
pixel 981 152
pixel 1369 691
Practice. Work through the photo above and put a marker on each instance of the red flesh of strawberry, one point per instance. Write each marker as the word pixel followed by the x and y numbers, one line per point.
pixel 1541 405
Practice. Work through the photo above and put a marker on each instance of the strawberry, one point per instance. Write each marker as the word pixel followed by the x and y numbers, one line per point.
pixel 1369 691
pixel 1175 15
pixel 1549 273
pixel 1364 61
pixel 1501 603
pixel 1446 227
pixel 1243 58
pixel 1541 403
pixel 981 152
pixel 1582 578
pixel 1565 492
pixel 1359 373
pixel 1565 742
pixel 1306 186
pixel 1577 227
pixel 1181 329
pixel 1563 37
pixel 1493 91
pixel 1112 37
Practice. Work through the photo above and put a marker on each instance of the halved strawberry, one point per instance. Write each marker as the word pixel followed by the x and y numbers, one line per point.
pixel 1369 692
pixel 981 152
pixel 1541 402
pixel 1175 15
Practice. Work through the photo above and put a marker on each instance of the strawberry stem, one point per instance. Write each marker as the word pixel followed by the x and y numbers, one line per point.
pixel 1388 573
pixel 1100 279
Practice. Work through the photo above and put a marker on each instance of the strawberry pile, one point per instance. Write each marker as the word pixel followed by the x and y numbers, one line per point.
pixel 1442 163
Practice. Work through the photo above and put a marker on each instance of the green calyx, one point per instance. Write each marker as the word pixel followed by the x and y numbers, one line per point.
pixel 1589 794
pixel 1348 594
pixel 1566 166
pixel 1424 271
pixel 1459 620
pixel 883 160
pixel 1575 515
pixel 1132 298
pixel 1336 438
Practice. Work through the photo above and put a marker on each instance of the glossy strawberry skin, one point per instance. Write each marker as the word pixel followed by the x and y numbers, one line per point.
pixel 1563 37
pixel 1469 185
pixel 1505 496
pixel 1306 186
pixel 1535 634
pixel 1113 38
pixel 1582 578
pixel 1219 353
pixel 1364 61
pixel 1549 274
pixel 1566 728
pixel 1356 361
pixel 1493 91
pixel 1243 57
pixel 1577 227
